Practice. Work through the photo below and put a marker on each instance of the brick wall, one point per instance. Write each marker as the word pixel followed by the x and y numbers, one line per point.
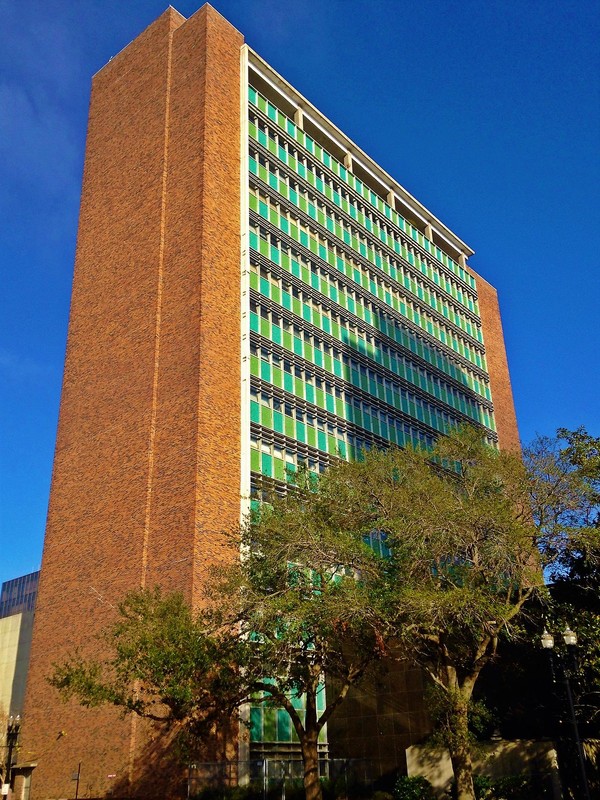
pixel 493 337
pixel 146 471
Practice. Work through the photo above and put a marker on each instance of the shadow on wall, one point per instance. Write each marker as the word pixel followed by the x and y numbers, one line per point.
pixel 495 759
pixel 381 717
pixel 160 771
pixel 17 699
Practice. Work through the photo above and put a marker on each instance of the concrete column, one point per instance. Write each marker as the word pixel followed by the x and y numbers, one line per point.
pixel 299 117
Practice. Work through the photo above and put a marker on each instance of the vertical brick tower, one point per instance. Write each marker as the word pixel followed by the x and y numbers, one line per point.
pixel 251 291
pixel 147 464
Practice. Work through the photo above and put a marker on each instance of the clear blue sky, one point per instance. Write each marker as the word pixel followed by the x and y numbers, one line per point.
pixel 488 111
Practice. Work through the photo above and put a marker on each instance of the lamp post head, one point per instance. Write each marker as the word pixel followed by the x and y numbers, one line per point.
pixel 547 640
pixel 14 724
pixel 570 637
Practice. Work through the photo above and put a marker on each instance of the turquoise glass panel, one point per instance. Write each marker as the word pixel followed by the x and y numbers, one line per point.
pixel 284 726
pixel 256 724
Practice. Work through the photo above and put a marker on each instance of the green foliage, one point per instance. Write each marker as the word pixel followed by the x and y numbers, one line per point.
pixel 464 561
pixel 576 589
pixel 564 475
pixel 510 787
pixel 463 547
pixel 415 787
pixel 568 467
pixel 165 664
pixel 442 706
pixel 312 593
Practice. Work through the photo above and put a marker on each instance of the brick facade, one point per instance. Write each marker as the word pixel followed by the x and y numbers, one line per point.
pixel 497 363
pixel 146 471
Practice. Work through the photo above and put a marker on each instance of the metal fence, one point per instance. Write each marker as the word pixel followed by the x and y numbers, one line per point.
pixel 281 778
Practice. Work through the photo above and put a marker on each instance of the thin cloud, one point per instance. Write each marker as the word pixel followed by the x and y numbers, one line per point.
pixel 15 368
pixel 40 142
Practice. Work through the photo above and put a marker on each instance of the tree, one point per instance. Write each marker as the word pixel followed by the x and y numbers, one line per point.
pixel 570 462
pixel 566 473
pixel 303 602
pixel 165 664
pixel 312 594
pixel 526 694
pixel 463 561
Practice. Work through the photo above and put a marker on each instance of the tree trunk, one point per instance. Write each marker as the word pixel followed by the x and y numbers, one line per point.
pixel 310 758
pixel 463 774
pixel 460 752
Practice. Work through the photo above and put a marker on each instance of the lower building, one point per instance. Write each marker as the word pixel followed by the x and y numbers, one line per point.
pixel 17 606
pixel 251 292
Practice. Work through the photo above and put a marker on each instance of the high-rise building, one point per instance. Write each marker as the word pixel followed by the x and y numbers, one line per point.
pixel 251 292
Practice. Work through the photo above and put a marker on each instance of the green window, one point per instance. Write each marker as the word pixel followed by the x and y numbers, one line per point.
pixel 301 432
pixel 269 724
pixel 256 724
pixel 266 464
pixel 284 726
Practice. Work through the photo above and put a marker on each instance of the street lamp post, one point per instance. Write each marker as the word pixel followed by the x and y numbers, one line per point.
pixel 12 738
pixel 565 666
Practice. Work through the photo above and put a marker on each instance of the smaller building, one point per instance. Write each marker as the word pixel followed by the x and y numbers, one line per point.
pixel 17 606
pixel 19 594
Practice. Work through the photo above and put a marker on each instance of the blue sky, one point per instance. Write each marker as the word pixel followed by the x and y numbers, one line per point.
pixel 488 112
